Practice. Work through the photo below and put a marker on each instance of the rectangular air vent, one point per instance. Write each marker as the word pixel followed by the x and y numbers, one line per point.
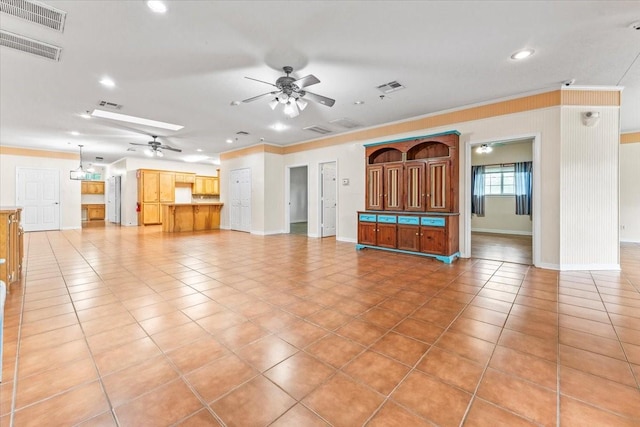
pixel 390 87
pixel 111 105
pixel 317 129
pixel 345 123
pixel 25 44
pixel 35 12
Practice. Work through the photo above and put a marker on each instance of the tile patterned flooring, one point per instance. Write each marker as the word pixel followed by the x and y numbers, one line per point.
pixel 132 327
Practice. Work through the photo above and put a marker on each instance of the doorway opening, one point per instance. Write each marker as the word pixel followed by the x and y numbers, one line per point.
pixel 501 216
pixel 298 200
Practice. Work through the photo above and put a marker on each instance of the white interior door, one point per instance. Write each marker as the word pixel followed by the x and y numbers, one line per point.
pixel 38 193
pixel 113 200
pixel 328 198
pixel 240 196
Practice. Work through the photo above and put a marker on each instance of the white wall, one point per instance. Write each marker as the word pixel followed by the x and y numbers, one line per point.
pixel 589 185
pixel 70 215
pixel 630 192
pixel 500 211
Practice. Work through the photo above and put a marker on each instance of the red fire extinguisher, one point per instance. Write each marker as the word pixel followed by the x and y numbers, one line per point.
pixel 138 207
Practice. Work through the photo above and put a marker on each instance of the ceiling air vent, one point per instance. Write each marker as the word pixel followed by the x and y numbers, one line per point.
pixel 111 105
pixel 35 12
pixel 24 44
pixel 317 129
pixel 390 87
pixel 345 123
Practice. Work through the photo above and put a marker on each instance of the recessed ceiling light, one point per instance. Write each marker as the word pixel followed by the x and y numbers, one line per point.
pixel 359 102
pixel 521 54
pixel 75 133
pixel 199 150
pixel 157 6
pixel 279 127
pixel 195 158
pixel 106 81
pixel 132 119
pixel 235 103
pixel 85 115
pixel 229 141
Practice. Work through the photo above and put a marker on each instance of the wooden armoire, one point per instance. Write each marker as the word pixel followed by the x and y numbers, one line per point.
pixel 411 196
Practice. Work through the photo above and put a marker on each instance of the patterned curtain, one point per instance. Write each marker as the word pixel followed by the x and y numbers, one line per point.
pixel 524 186
pixel 477 190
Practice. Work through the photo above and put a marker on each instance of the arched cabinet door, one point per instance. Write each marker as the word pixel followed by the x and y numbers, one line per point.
pixel 393 187
pixel 438 186
pixel 374 187
pixel 415 186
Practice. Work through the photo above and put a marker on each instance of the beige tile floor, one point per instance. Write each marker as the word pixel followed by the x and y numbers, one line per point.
pixel 132 327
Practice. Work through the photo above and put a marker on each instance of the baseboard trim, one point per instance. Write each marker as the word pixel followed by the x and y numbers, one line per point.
pixel 490 230
pixel 590 267
pixel 346 239
pixel 629 241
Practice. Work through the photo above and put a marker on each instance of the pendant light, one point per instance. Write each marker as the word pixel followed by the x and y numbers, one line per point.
pixel 80 173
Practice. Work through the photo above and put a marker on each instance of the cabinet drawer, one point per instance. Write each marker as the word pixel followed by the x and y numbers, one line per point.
pixel 409 220
pixel 367 218
pixel 432 221
pixel 387 219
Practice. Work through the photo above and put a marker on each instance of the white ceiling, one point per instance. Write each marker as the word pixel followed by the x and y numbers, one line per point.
pixel 188 65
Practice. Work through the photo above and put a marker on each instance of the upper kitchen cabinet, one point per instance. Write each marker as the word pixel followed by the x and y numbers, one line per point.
pixel 206 186
pixel 92 187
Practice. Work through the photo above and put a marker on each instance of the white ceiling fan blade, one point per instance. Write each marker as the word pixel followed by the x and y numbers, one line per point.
pixel 261 81
pixel 306 81
pixel 259 96
pixel 319 99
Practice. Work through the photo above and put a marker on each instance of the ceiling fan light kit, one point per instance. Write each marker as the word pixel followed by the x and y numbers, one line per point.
pixel 290 93
pixel 484 149
pixel 155 147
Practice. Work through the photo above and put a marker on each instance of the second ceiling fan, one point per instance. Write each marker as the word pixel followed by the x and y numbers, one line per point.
pixel 155 147
pixel 292 93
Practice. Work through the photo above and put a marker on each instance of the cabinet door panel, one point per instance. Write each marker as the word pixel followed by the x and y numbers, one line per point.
pixel 167 187
pixel 387 235
pixel 415 178
pixel 374 187
pixel 151 213
pixel 409 237
pixel 393 186
pixel 367 233
pixel 438 183
pixel 432 240
pixel 150 187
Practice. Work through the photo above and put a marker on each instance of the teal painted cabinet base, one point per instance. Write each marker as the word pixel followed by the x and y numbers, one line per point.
pixel 446 259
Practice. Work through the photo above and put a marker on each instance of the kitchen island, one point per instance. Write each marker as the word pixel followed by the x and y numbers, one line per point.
pixel 177 217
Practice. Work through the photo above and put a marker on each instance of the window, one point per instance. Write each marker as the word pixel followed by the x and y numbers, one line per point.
pixel 499 180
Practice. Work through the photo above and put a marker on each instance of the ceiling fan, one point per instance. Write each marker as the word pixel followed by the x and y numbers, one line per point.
pixel 291 92
pixel 155 147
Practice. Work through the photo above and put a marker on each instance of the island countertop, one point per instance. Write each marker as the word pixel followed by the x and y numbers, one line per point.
pixel 177 217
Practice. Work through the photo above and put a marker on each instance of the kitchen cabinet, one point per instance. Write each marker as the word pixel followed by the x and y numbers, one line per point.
pixel 185 178
pixel 94 211
pixel 206 186
pixel 92 187
pixel 154 187
pixel 179 217
pixel 406 178
pixel 11 245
